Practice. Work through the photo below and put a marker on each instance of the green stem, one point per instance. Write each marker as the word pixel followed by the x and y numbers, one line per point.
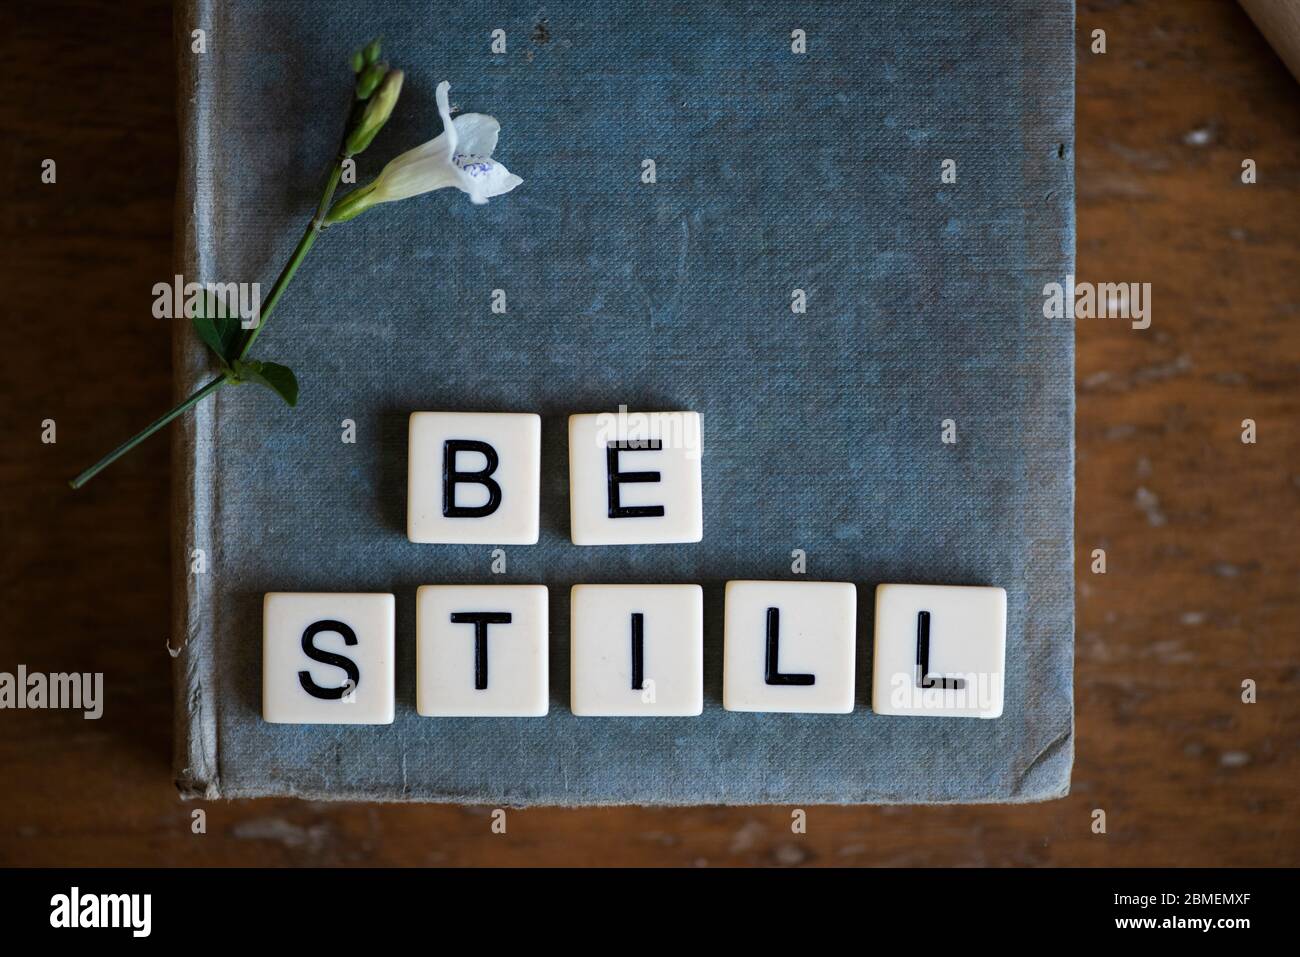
pixel 299 254
pixel 148 430
pixel 281 283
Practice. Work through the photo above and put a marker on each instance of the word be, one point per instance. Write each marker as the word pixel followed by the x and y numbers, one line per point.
pixel 635 650
pixel 475 478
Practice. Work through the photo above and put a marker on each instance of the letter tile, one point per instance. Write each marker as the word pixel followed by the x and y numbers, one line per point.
pixel 940 650
pixel 474 478
pixel 634 478
pixel 481 650
pixel 327 658
pixel 637 650
pixel 789 646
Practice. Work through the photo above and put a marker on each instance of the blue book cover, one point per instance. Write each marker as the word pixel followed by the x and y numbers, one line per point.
pixel 800 154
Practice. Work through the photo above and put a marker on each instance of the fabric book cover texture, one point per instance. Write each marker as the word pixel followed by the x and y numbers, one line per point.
pixel 775 171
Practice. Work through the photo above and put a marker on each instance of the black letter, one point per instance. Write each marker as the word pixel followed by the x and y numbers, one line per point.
pixel 616 478
pixel 450 478
pixel 924 680
pixel 480 620
pixel 638 651
pixel 329 658
pixel 774 676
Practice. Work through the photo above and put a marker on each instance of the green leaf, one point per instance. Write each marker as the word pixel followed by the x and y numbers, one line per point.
pixel 279 379
pixel 222 333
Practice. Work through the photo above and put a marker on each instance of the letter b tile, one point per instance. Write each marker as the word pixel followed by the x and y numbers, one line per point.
pixel 789 646
pixel 481 650
pixel 327 658
pixel 474 478
pixel 940 650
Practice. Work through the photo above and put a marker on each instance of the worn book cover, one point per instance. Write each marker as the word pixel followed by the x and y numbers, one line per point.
pixel 840 256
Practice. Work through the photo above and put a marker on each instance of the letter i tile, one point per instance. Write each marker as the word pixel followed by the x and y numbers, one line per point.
pixel 637 650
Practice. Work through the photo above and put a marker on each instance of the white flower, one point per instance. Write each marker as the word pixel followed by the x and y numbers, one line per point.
pixel 460 156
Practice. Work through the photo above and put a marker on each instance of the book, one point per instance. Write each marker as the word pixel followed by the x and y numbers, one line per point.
pixel 839 262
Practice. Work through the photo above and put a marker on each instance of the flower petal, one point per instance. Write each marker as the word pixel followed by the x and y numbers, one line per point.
pixel 477 133
pixel 444 111
pixel 483 178
pixel 460 156
pixel 417 175
pixel 435 148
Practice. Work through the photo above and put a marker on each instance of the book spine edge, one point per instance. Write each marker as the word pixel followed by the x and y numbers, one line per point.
pixel 195 756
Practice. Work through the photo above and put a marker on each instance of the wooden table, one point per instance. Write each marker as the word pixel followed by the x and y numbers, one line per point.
pixel 1199 529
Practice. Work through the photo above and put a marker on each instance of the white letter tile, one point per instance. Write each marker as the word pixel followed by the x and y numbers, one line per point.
pixel 474 478
pixel 634 478
pixel 940 650
pixel 327 658
pixel 637 650
pixel 789 646
pixel 481 650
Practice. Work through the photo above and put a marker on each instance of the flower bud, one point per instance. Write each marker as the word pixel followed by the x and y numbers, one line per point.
pixel 377 112
pixel 370 79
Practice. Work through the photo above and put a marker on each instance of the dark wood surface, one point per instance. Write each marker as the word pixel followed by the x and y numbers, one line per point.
pixel 1199 529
